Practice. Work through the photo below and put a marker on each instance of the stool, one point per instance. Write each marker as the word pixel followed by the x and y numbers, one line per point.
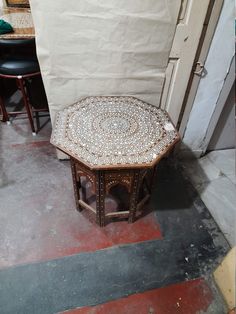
pixel 111 141
pixel 21 69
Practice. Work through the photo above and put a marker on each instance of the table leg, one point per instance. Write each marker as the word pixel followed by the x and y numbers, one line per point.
pixel 153 178
pixel 100 198
pixel 76 184
pixel 134 196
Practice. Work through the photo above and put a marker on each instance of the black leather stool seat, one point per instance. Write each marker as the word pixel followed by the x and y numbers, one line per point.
pixel 18 66
pixel 18 61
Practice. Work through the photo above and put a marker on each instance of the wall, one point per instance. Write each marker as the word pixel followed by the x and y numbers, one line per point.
pixel 224 134
pixel 217 66
pixel 104 47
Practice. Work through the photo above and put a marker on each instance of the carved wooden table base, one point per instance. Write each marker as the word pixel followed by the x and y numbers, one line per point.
pixel 103 180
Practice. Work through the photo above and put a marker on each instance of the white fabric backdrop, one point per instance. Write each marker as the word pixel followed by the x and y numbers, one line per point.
pixel 103 47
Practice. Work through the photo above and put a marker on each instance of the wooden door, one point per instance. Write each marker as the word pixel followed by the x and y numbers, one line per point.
pixel 186 40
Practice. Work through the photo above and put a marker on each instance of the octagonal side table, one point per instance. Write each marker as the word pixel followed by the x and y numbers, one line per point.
pixel 114 140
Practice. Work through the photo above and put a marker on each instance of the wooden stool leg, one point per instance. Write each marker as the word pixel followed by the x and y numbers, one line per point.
pixel 26 104
pixel 100 198
pixel 134 196
pixel 76 184
pixel 5 116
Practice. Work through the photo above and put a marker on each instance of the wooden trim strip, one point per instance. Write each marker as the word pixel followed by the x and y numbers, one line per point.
pixel 143 201
pixel 85 205
pixel 117 214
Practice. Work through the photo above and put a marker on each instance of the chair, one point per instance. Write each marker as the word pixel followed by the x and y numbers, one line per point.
pixel 17 65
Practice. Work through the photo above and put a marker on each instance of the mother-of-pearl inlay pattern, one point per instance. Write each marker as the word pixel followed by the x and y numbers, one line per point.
pixel 113 131
pixel 18 19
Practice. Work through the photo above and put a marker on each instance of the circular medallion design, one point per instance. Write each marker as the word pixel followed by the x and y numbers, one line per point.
pixel 114 125
pixel 113 131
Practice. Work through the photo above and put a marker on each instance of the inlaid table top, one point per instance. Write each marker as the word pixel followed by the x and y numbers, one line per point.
pixel 21 21
pixel 114 132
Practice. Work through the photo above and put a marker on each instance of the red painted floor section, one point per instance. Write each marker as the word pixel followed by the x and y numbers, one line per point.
pixel 41 222
pixel 185 298
pixel 70 235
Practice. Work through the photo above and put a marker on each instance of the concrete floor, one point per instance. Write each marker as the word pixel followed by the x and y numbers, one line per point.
pixel 213 176
pixel 54 259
